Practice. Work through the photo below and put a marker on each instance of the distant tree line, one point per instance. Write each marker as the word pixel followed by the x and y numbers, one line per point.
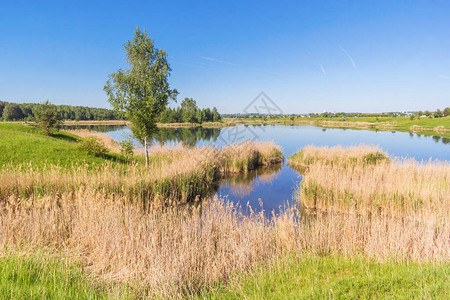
pixel 28 111
pixel 435 114
pixel 431 114
pixel 188 112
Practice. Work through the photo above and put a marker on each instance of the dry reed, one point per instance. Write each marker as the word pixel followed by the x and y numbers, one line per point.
pixel 341 178
pixel 181 174
pixel 176 251
pixel 108 141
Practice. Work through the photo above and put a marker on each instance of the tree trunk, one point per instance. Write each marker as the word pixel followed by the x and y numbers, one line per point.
pixel 146 152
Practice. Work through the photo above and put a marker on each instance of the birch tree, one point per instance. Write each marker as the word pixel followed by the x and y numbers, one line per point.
pixel 142 91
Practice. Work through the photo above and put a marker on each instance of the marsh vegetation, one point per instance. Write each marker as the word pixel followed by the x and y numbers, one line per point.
pixel 112 228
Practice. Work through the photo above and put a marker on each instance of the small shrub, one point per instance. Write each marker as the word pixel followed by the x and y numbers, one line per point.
pixel 374 158
pixel 126 148
pixel 92 146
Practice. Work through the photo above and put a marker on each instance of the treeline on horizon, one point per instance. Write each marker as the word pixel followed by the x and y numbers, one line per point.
pixel 189 112
pixel 431 114
pixel 10 111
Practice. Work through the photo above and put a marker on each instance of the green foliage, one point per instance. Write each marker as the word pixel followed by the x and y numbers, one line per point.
pixel 127 148
pixel 92 146
pixel 374 158
pixel 447 111
pixel 142 91
pixel 438 114
pixel 47 117
pixel 188 112
pixel 27 111
pixel 12 112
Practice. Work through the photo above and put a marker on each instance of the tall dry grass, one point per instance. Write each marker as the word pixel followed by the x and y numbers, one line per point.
pixel 339 156
pixel 364 179
pixel 108 141
pixel 178 251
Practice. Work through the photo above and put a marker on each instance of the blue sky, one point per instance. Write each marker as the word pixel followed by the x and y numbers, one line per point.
pixel 307 56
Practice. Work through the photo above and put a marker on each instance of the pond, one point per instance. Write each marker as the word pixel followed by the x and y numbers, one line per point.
pixel 275 185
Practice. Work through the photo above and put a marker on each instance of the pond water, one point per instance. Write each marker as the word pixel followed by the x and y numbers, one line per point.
pixel 275 185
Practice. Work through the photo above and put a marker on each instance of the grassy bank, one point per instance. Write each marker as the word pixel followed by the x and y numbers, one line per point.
pixel 424 126
pixel 21 144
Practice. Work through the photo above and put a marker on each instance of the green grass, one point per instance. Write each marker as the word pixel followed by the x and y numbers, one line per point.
pixel 310 277
pixel 24 144
pixel 334 277
pixel 403 124
pixel 36 277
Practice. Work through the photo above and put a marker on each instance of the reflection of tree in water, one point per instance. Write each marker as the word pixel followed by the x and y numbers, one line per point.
pixel 436 138
pixel 189 137
pixel 242 184
pixel 98 128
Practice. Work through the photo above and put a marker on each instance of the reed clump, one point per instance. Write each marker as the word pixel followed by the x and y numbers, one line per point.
pixel 361 155
pixel 249 155
pixel 362 179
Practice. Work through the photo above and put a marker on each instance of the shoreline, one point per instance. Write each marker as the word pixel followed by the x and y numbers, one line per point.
pixel 440 130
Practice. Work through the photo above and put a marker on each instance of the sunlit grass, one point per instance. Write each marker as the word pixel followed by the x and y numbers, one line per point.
pixel 336 277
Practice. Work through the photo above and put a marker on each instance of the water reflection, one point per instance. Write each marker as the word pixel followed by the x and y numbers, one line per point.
pixel 189 137
pixel 98 128
pixel 242 185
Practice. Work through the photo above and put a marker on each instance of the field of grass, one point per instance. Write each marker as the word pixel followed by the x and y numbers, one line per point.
pixel 308 277
pixel 109 229
pixel 21 144
pixel 336 277
pixel 39 277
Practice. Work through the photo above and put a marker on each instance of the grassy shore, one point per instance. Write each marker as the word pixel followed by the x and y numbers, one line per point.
pixel 119 230
pixel 424 126
pixel 439 127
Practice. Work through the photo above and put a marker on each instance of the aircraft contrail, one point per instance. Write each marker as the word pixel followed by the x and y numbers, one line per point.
pixel 218 61
pixel 323 69
pixel 348 55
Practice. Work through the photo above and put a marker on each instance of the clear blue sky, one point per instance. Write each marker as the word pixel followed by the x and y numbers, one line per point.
pixel 308 56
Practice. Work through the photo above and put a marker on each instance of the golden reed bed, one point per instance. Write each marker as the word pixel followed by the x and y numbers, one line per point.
pixel 174 251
